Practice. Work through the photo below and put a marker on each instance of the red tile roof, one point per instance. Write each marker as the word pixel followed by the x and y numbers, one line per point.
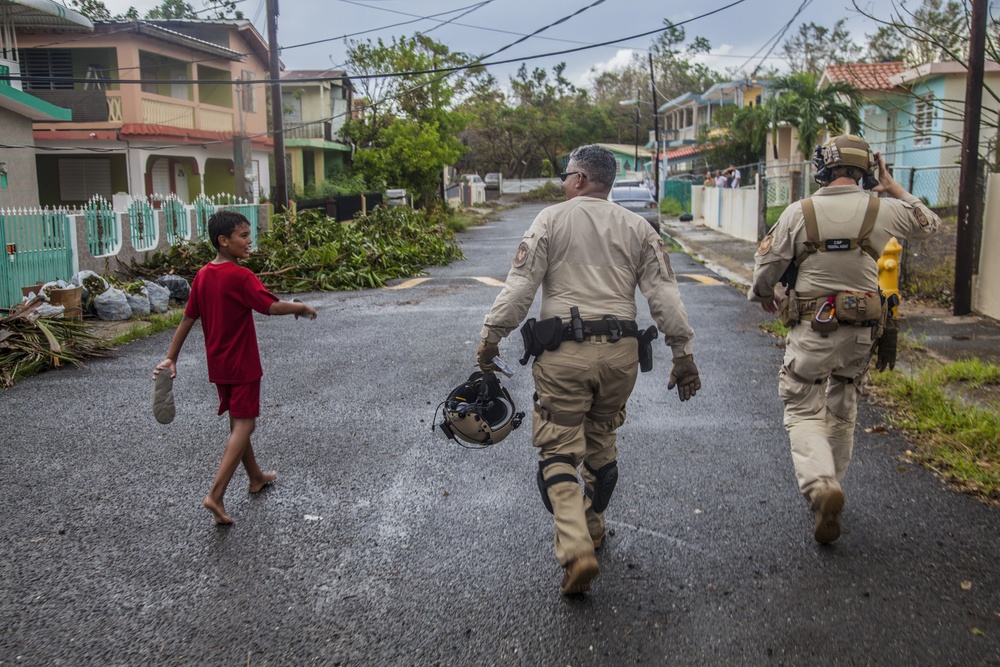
pixel 683 152
pixel 866 76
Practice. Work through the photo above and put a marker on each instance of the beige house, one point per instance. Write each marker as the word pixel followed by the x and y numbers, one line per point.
pixel 157 106
pixel 18 109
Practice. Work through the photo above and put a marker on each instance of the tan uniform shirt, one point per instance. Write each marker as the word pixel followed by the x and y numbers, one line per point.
pixel 591 253
pixel 840 211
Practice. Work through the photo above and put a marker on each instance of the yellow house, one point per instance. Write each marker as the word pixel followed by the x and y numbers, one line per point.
pixel 316 105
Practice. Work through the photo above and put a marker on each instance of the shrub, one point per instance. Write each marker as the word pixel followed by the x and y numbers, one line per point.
pixel 671 207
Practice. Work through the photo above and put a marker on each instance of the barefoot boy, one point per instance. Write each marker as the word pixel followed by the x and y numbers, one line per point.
pixel 223 295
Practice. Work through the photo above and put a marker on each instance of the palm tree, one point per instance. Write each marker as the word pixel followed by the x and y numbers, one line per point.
pixel 801 103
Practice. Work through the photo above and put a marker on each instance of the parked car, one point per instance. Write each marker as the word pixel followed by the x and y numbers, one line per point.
pixel 637 199
pixel 691 178
pixel 492 181
pixel 472 178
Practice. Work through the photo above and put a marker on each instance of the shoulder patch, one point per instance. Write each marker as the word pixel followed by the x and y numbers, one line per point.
pixel 765 245
pixel 521 256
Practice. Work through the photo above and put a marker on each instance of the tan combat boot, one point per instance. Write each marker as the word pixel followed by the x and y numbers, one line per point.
pixel 579 574
pixel 827 503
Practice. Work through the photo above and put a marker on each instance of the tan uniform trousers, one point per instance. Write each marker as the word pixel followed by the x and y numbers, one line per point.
pixel 819 382
pixel 585 387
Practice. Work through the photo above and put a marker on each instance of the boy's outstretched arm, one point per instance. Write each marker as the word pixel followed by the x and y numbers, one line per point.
pixel 296 308
pixel 175 347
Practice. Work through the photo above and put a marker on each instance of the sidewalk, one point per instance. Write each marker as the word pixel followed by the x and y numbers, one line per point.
pixel 944 336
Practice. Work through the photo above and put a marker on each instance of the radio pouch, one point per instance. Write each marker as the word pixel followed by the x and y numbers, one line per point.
pixel 646 339
pixel 788 310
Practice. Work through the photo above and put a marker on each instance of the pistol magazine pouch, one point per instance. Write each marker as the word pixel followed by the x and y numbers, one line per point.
pixel 540 335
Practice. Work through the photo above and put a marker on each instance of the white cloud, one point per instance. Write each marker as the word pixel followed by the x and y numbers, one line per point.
pixel 621 58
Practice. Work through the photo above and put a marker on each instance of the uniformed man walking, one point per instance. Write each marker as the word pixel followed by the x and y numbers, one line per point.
pixel 834 309
pixel 588 255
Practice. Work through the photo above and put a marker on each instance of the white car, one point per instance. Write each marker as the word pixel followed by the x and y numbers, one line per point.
pixel 637 199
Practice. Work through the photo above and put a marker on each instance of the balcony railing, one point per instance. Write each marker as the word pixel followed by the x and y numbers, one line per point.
pixel 215 121
pixel 156 112
pixel 317 130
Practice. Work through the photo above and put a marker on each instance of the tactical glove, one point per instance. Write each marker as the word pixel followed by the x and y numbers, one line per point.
pixel 684 376
pixel 887 345
pixel 485 354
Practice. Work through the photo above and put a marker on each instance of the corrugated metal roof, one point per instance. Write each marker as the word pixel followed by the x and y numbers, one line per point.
pixel 41 14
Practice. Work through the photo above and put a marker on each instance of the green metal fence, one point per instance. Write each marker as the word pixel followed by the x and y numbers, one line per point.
pixel 242 206
pixel 142 225
pixel 178 225
pixel 203 210
pixel 102 227
pixel 37 248
pixel 679 190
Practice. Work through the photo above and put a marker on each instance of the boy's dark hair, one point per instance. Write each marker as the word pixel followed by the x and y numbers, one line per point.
pixel 223 223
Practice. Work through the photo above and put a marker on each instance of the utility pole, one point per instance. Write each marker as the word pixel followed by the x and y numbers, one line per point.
pixel 970 227
pixel 638 101
pixel 656 132
pixel 280 195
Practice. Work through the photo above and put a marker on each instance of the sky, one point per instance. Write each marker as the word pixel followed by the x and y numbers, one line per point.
pixel 481 27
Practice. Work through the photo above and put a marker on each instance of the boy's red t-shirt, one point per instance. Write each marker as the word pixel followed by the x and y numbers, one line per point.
pixel 224 296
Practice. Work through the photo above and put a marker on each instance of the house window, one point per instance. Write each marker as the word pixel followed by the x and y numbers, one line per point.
pixel 247 99
pixel 46 63
pixel 923 121
pixel 292 108
pixel 82 178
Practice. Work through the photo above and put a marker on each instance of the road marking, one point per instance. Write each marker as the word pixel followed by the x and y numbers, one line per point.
pixel 701 278
pixel 493 282
pixel 413 282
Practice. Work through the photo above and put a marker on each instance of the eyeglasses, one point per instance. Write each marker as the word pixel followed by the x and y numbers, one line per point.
pixel 566 174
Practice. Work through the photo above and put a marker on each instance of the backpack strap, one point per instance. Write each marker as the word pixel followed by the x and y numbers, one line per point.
pixel 864 236
pixel 812 230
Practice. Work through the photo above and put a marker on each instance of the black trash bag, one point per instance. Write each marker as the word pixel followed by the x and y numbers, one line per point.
pixel 179 288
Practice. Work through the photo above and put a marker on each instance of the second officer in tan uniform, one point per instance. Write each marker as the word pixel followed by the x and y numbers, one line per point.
pixel 588 255
pixel 833 307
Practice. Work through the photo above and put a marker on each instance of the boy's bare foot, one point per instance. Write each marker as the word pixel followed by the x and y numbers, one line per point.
pixel 265 479
pixel 218 511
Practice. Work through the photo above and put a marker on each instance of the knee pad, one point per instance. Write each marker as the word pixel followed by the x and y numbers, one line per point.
pixel 544 484
pixel 604 485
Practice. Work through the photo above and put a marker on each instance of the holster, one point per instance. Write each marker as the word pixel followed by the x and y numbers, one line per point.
pixel 540 335
pixel 646 339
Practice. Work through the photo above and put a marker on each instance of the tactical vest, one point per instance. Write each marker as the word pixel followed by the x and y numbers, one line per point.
pixel 814 243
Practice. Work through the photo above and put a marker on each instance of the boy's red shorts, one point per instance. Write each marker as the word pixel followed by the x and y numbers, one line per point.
pixel 241 400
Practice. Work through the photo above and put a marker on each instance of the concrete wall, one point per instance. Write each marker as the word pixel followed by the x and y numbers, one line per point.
pixel 986 292
pixel 733 212
pixel 22 178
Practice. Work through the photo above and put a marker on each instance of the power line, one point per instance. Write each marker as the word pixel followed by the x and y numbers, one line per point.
pixel 441 70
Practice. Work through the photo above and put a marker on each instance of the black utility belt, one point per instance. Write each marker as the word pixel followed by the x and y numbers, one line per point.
pixel 542 335
pixel 610 326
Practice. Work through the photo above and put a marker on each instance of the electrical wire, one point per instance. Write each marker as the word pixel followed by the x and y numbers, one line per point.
pixel 442 70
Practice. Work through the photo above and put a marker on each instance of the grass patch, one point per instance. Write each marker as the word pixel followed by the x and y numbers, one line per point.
pixel 776 327
pixel 146 327
pixel 671 208
pixel 773 213
pixel 958 440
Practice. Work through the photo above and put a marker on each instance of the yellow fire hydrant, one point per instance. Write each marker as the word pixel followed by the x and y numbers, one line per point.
pixel 888 270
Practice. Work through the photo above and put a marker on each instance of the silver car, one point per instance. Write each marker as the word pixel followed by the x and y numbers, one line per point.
pixel 637 199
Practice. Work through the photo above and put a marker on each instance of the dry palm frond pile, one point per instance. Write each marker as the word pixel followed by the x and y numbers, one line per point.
pixel 30 343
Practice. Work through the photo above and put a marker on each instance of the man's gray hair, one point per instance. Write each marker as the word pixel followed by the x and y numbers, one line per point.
pixel 597 162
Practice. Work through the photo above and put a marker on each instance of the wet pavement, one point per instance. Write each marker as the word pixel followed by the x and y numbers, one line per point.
pixel 382 543
pixel 935 329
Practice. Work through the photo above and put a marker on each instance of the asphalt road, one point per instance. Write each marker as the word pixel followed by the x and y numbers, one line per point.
pixel 384 544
